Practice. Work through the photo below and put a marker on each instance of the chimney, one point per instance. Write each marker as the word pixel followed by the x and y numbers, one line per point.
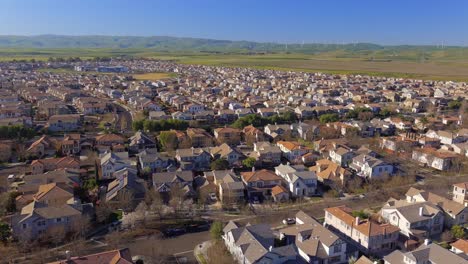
pixel 421 209
pixel 253 168
pixel 358 220
pixel 427 242
pixel 68 254
pixel 270 248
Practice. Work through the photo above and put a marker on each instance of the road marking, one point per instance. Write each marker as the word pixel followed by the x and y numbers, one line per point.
pixel 182 253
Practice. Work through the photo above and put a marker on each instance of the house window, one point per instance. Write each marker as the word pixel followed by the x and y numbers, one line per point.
pixel 337 248
pixel 58 220
pixel 24 226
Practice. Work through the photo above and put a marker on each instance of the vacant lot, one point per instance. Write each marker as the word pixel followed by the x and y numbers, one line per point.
pixel 153 76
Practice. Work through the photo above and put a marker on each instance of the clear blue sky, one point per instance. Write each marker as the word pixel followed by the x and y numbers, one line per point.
pixel 287 21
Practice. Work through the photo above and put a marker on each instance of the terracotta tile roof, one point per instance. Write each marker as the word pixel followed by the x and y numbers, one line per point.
pixel 278 189
pixel 261 175
pixel 463 185
pixel 121 256
pixel 461 244
pixel 291 145
pixel 366 227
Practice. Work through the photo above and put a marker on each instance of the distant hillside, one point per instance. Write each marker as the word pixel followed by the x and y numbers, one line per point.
pixel 161 43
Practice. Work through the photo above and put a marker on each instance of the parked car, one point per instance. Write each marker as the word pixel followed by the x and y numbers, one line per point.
pixel 289 221
pixel 213 197
pixel 171 232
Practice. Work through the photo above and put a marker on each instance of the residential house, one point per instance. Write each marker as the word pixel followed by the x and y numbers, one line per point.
pixel 460 193
pixel 71 144
pixel 120 256
pixel 252 135
pixel 293 151
pixel 315 243
pixel 426 253
pixel 259 183
pixel 229 186
pixel 280 194
pixel 164 182
pixel 158 115
pixel 438 159
pixel 44 146
pixel 193 159
pixel 460 247
pixel 199 138
pixel 111 162
pixel 416 220
pixel 265 153
pixel 330 173
pixel 368 235
pixel 63 123
pixel 342 155
pixel 155 161
pixel 40 220
pixel 278 132
pixel 228 135
pixel 140 141
pixel 54 194
pixel 307 131
pixel 455 213
pixel 300 182
pixel 109 140
pixel 50 164
pixel 228 153
pixel 255 244
pixel 125 185
pixel 371 167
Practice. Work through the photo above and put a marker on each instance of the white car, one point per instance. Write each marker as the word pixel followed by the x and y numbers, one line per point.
pixel 213 197
pixel 289 221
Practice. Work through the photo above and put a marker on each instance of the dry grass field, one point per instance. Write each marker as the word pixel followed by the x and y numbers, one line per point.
pixel 153 76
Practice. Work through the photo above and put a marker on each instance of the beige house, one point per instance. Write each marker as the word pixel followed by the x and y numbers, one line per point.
pixel 315 243
pixel 228 135
pixel 455 213
pixel 416 220
pixel 370 236
pixel 460 193
pixel 426 253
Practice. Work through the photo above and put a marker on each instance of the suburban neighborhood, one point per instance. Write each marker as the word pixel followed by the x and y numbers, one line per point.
pixel 229 165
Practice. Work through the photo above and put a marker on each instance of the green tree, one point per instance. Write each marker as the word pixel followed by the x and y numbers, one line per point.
pixel 455 104
pixel 249 162
pixel 219 164
pixel 5 232
pixel 168 139
pixel 137 125
pixel 458 231
pixel 216 230
pixel 328 118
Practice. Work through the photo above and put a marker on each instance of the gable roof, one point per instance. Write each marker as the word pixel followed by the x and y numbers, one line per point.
pixel 120 256
pixel 261 175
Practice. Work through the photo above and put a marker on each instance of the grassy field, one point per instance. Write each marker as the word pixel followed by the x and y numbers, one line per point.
pixel 154 76
pixel 434 64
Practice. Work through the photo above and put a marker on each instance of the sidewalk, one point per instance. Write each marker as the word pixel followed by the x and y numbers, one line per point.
pixel 200 252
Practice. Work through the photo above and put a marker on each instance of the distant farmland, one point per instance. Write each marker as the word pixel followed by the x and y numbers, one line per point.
pixel 411 62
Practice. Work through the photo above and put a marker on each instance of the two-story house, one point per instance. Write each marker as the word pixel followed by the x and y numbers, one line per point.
pixel 368 235
pixel 259 183
pixel 228 135
pixel 371 167
pixel 315 243
pixel 299 182
pixel 193 159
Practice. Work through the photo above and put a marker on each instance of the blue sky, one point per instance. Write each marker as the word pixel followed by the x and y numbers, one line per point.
pixel 288 21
